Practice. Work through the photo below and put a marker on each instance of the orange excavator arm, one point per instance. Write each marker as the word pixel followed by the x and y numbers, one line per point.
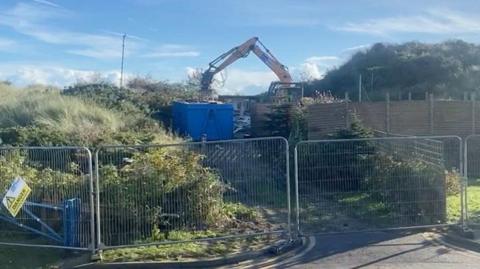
pixel 242 51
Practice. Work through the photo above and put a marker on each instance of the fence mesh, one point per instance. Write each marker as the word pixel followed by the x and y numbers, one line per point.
pixel 472 172
pixel 59 209
pixel 151 194
pixel 379 183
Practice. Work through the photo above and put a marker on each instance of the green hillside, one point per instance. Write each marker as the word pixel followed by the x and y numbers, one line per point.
pixel 447 69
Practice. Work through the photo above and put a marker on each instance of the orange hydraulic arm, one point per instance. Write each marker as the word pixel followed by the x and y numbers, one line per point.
pixel 242 51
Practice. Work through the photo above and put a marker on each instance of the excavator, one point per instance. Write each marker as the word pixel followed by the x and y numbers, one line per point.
pixel 282 91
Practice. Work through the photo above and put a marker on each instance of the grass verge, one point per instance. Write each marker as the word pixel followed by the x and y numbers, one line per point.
pixel 473 201
pixel 188 251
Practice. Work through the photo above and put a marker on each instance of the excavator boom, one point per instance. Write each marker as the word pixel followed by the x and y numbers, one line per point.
pixel 243 51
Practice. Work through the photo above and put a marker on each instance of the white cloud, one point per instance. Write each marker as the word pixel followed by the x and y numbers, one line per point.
pixel 25 74
pixel 128 36
pixel 357 48
pixel 237 81
pixel 310 71
pixel 98 53
pixel 322 58
pixel 247 82
pixel 172 50
pixel 172 54
pixel 33 20
pixel 45 2
pixel 7 44
pixel 315 67
pixel 431 22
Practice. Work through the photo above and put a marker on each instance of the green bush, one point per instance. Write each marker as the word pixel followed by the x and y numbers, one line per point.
pixel 108 96
pixel 240 212
pixel 158 183
pixel 41 179
pixel 344 165
pixel 453 182
pixel 50 185
pixel 143 96
pixel 414 191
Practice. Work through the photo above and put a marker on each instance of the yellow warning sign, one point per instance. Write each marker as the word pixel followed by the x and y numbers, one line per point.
pixel 16 196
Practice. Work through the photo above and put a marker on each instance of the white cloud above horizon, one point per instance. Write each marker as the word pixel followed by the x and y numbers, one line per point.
pixel 171 50
pixel 247 82
pixel 315 67
pixel 239 81
pixel 48 3
pixel 27 74
pixel 7 44
pixel 433 21
pixel 33 20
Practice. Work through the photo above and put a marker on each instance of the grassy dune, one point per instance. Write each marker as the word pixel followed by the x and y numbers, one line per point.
pixel 78 121
pixel 26 107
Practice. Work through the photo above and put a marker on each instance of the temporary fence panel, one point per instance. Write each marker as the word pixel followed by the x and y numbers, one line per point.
pixel 47 197
pixel 206 190
pixel 472 173
pixel 378 183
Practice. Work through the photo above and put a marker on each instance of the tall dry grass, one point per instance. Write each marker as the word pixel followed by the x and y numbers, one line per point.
pixel 24 107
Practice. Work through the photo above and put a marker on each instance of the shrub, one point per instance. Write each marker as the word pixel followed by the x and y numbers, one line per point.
pixel 413 190
pixel 453 182
pixel 344 165
pixel 160 183
pixel 50 185
pixel 240 212
pixel 37 175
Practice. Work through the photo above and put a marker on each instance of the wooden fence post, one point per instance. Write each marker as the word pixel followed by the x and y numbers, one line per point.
pixel 431 113
pixel 387 114
pixel 347 112
pixel 473 99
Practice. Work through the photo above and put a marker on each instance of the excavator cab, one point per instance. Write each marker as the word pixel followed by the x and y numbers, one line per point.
pixel 285 92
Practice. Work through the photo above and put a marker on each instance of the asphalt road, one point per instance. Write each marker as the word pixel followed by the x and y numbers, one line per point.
pixel 375 250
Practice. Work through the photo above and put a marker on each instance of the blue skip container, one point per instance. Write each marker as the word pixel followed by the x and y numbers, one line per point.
pixel 213 120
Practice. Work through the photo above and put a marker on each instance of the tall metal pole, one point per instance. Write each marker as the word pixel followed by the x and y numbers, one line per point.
pixel 360 88
pixel 123 57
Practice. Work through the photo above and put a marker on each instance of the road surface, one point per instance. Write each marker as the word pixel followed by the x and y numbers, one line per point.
pixel 375 250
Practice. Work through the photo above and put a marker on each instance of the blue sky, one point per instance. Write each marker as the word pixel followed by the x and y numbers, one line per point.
pixel 60 42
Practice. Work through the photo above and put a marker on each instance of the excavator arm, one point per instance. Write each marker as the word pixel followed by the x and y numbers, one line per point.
pixel 243 51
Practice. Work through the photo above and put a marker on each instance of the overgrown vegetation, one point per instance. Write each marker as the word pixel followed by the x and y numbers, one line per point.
pixel 172 192
pixel 47 117
pixel 141 96
pixel 375 183
pixel 166 193
pixel 447 69
pixel 279 121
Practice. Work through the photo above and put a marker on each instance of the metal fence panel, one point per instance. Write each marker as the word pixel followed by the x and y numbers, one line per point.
pixel 59 211
pixel 472 174
pixel 148 193
pixel 378 183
